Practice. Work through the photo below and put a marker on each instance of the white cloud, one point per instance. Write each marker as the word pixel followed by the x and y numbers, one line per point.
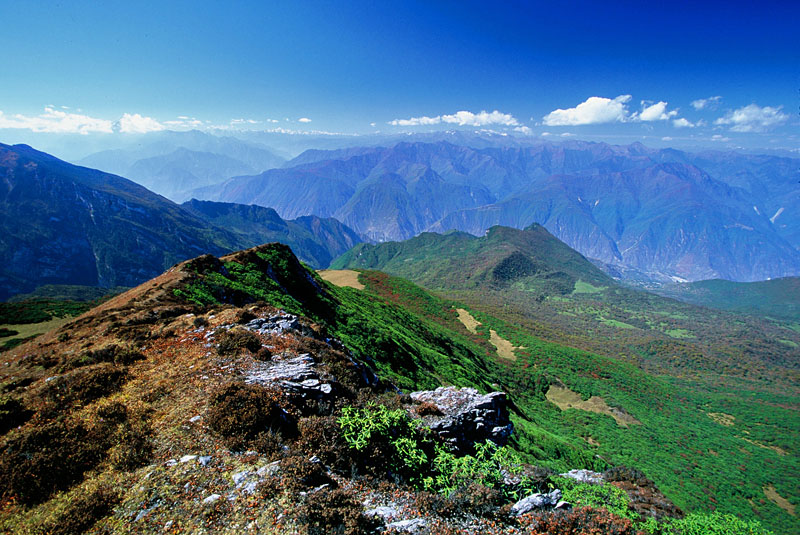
pixel 753 118
pixel 372 124
pixel 461 118
pixel 683 123
pixel 480 119
pixel 304 120
pixel 666 138
pixel 702 103
pixel 272 120
pixel 717 137
pixel 56 121
pixel 243 121
pixel 656 112
pixel 595 110
pixel 524 129
pixel 417 121
pixel 137 124
pixel 184 121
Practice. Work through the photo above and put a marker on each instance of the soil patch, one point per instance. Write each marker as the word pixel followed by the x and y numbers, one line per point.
pixel 564 399
pixel 505 349
pixel 469 322
pixel 721 418
pixel 342 277
pixel 779 500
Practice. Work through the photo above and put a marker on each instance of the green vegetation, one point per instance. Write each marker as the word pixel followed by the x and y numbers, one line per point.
pixel 415 339
pixel 776 298
pixel 612 498
pixel 705 524
pixel 40 310
pixel 392 436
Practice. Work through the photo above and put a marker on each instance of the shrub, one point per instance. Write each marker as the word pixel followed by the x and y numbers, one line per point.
pixel 579 521
pixel 320 436
pixel 84 384
pixel 299 473
pixel 12 413
pixel 707 524
pixel 241 413
pixel 609 497
pixel 82 512
pixel 264 354
pixel 36 463
pixel 334 512
pixel 427 408
pixel 382 437
pixel 234 340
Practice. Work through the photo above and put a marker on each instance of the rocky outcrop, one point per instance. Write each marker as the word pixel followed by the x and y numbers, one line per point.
pixel 585 476
pixel 539 501
pixel 463 416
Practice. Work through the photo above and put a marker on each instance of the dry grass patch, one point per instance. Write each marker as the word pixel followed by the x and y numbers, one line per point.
pixel 468 320
pixel 564 399
pixel 771 493
pixel 721 418
pixel 776 449
pixel 505 349
pixel 342 277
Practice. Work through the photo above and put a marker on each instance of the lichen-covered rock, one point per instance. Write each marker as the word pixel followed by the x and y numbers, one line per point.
pixel 584 476
pixel 467 416
pixel 537 501
pixel 298 375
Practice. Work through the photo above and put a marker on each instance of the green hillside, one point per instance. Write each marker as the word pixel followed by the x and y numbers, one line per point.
pixel 777 298
pixel 709 445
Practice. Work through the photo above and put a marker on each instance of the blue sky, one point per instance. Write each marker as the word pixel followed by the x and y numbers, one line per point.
pixel 677 73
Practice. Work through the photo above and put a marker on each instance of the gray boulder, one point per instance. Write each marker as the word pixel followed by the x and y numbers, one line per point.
pixel 467 416
pixel 537 501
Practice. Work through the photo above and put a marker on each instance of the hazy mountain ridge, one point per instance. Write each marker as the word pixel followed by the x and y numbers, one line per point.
pixel 174 163
pixel 692 216
pixel 64 224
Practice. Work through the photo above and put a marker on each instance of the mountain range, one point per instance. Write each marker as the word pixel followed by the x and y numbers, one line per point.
pixel 667 213
pixel 174 163
pixel 65 224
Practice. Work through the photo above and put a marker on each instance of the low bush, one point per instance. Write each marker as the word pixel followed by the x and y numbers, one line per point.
pixel 706 524
pixel 334 512
pixel 241 413
pixel 580 521
pixel 606 496
pixel 84 384
pixel 234 340
pixel 40 461
pixel 300 473
pixel 12 413
pixel 82 512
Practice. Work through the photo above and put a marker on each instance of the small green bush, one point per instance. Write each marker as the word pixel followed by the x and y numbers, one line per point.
pixel 609 497
pixel 706 524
